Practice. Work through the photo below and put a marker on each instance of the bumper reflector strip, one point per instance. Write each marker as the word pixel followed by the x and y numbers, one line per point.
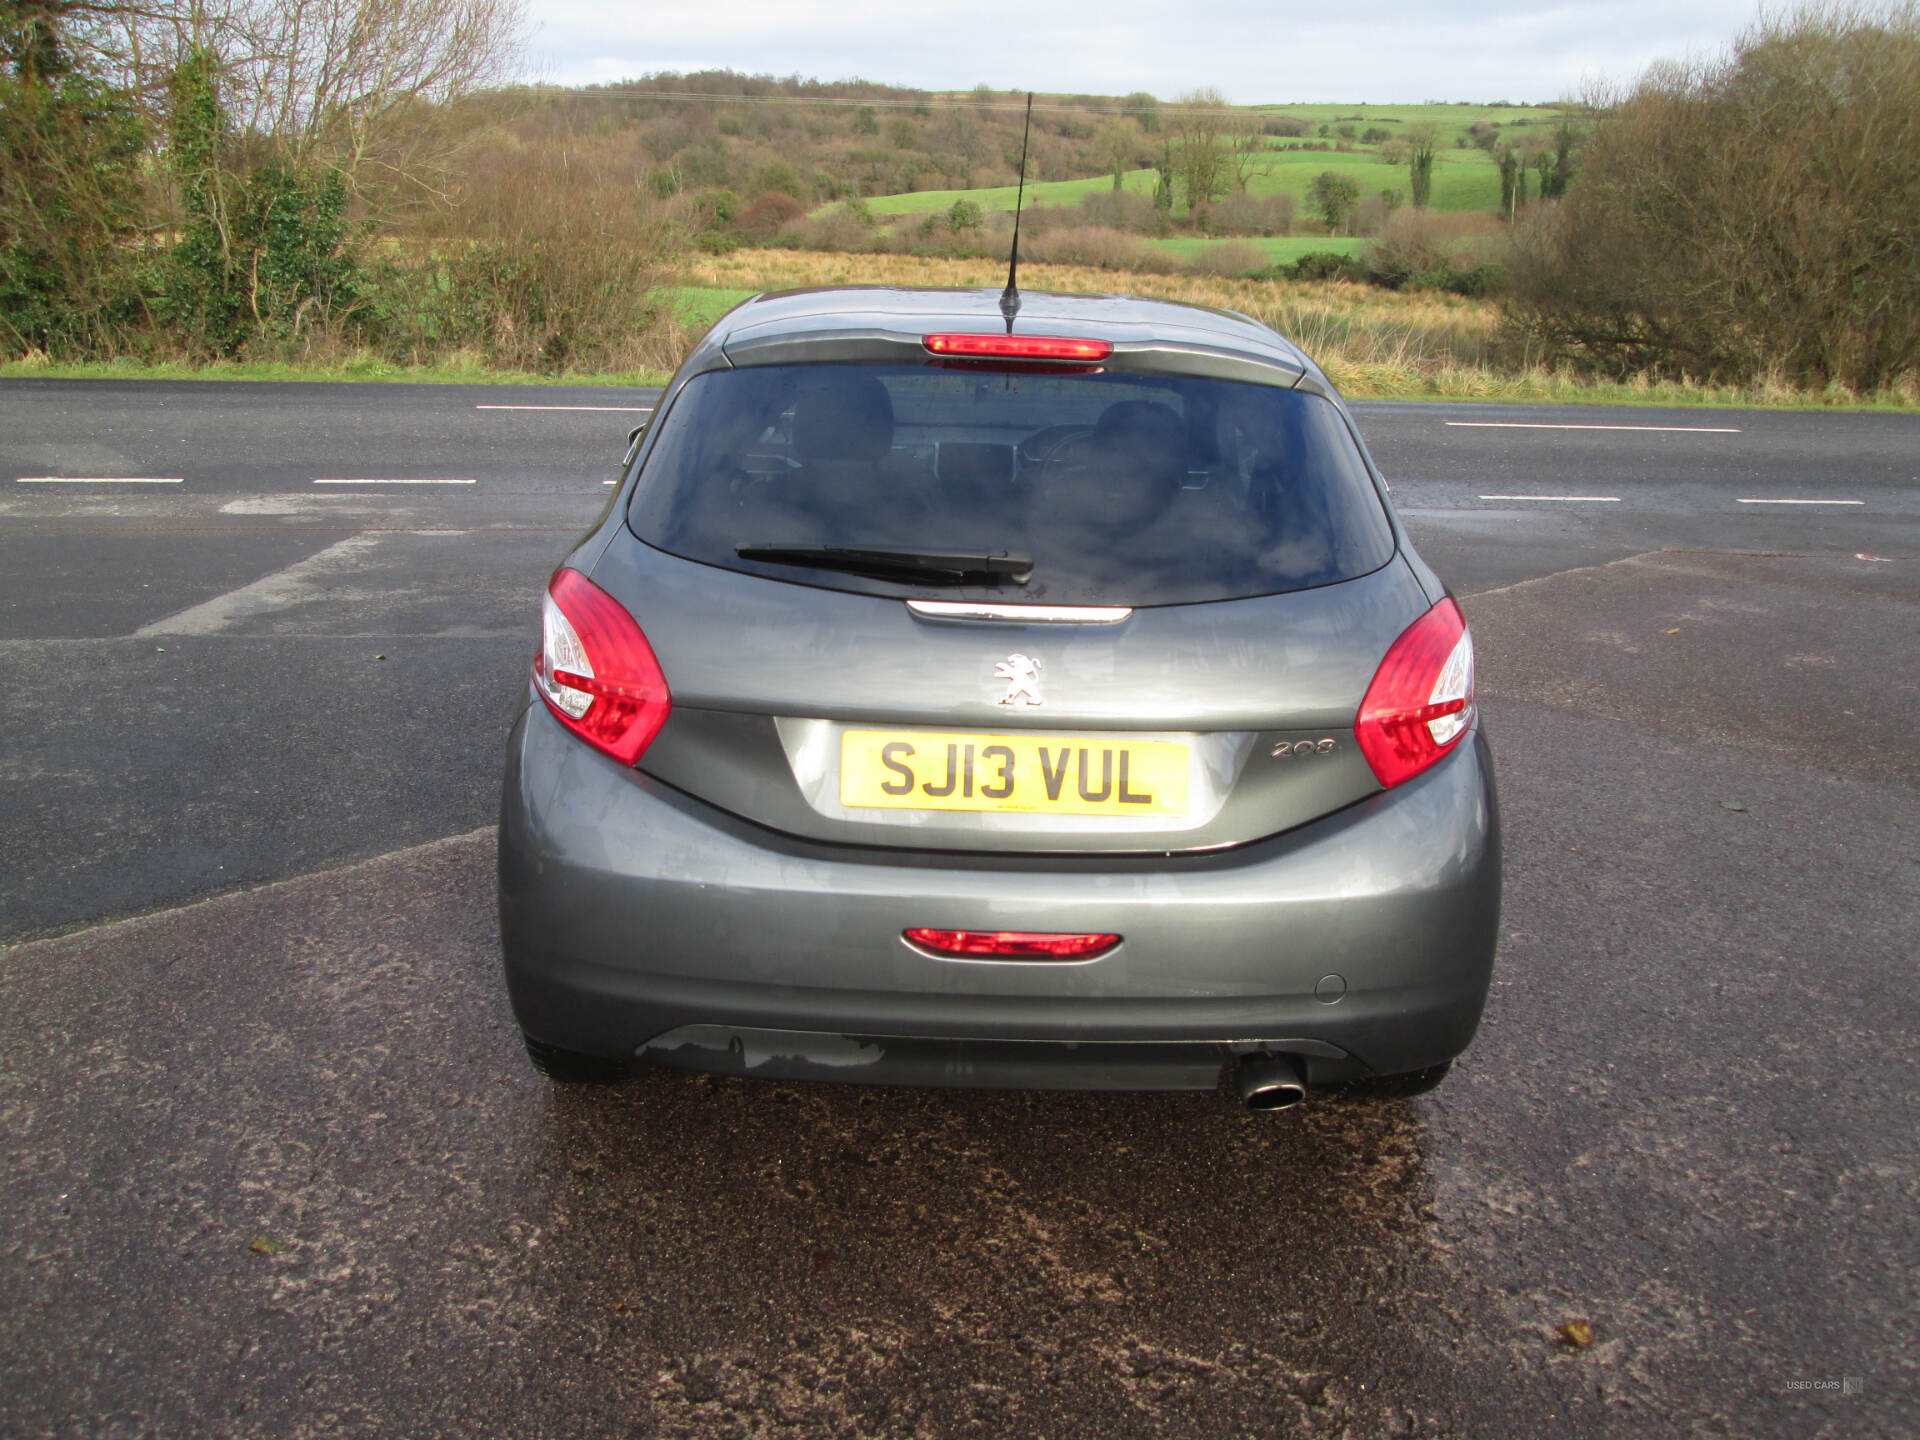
pixel 1011 944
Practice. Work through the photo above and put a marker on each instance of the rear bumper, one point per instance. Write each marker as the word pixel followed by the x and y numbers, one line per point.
pixel 638 921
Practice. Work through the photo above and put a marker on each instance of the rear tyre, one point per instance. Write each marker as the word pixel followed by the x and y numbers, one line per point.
pixel 1397 1087
pixel 570 1067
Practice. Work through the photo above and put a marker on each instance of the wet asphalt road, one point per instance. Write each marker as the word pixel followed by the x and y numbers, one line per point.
pixel 274 1165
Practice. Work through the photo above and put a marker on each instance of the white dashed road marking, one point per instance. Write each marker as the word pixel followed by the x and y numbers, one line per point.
pixel 1571 499
pixel 1764 501
pixel 626 409
pixel 1544 425
pixel 98 480
pixel 365 480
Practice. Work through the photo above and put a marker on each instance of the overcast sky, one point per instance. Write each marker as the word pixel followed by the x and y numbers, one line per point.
pixel 1377 50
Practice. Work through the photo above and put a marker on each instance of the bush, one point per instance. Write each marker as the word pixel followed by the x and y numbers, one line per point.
pixel 1121 210
pixel 778 176
pixel 1245 214
pixel 546 264
pixel 1230 259
pixel 70 214
pixel 1320 265
pixel 1479 283
pixel 269 264
pixel 702 164
pixel 771 212
pixel 964 215
pixel 1098 246
pixel 1415 243
pixel 716 209
pixel 836 230
pixel 1370 216
pixel 1749 217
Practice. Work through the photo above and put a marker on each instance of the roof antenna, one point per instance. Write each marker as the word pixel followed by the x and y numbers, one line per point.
pixel 1010 297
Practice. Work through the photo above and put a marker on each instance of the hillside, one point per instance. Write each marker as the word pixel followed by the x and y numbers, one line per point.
pixel 1466 176
pixel 907 152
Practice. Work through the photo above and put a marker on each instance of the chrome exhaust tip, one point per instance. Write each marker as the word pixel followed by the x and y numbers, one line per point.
pixel 1270 1082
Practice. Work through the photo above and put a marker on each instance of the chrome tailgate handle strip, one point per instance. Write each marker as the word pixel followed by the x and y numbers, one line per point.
pixel 971 611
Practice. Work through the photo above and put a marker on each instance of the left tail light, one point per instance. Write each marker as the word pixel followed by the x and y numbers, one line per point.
pixel 1420 703
pixel 596 671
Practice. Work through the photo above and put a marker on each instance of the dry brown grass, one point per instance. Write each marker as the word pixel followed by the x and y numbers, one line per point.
pixel 1372 342
pixel 1368 339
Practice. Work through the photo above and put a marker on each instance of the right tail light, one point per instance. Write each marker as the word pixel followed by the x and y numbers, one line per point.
pixel 1420 703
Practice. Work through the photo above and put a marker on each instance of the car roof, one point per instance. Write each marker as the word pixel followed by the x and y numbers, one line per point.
pixel 860 320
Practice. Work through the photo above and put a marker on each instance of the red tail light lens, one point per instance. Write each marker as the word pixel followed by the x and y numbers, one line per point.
pixel 1011 944
pixel 1420 703
pixel 1017 347
pixel 596 671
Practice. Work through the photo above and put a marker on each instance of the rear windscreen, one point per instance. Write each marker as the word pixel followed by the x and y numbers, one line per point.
pixel 1122 489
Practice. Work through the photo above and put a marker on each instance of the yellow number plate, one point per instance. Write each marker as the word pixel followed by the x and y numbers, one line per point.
pixel 1030 774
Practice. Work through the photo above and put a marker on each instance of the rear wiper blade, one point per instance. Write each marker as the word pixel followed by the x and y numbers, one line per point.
pixel 926 567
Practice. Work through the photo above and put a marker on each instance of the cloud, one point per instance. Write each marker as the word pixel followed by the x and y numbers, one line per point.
pixel 1399 51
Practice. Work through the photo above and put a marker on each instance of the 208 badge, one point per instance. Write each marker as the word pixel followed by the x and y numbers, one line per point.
pixel 1305 747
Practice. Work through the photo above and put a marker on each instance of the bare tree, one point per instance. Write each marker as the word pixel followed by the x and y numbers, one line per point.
pixel 349 81
pixel 358 85
pixel 1201 147
pixel 1118 146
pixel 1249 157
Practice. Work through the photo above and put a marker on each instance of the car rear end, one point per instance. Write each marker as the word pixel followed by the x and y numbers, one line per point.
pixel 944 705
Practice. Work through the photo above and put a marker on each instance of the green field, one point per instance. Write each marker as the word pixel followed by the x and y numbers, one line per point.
pixel 1001 197
pixel 1447 120
pixel 698 305
pixel 1463 179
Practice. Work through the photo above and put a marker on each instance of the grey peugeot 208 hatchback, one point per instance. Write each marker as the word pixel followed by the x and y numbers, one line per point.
pixel 1048 702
